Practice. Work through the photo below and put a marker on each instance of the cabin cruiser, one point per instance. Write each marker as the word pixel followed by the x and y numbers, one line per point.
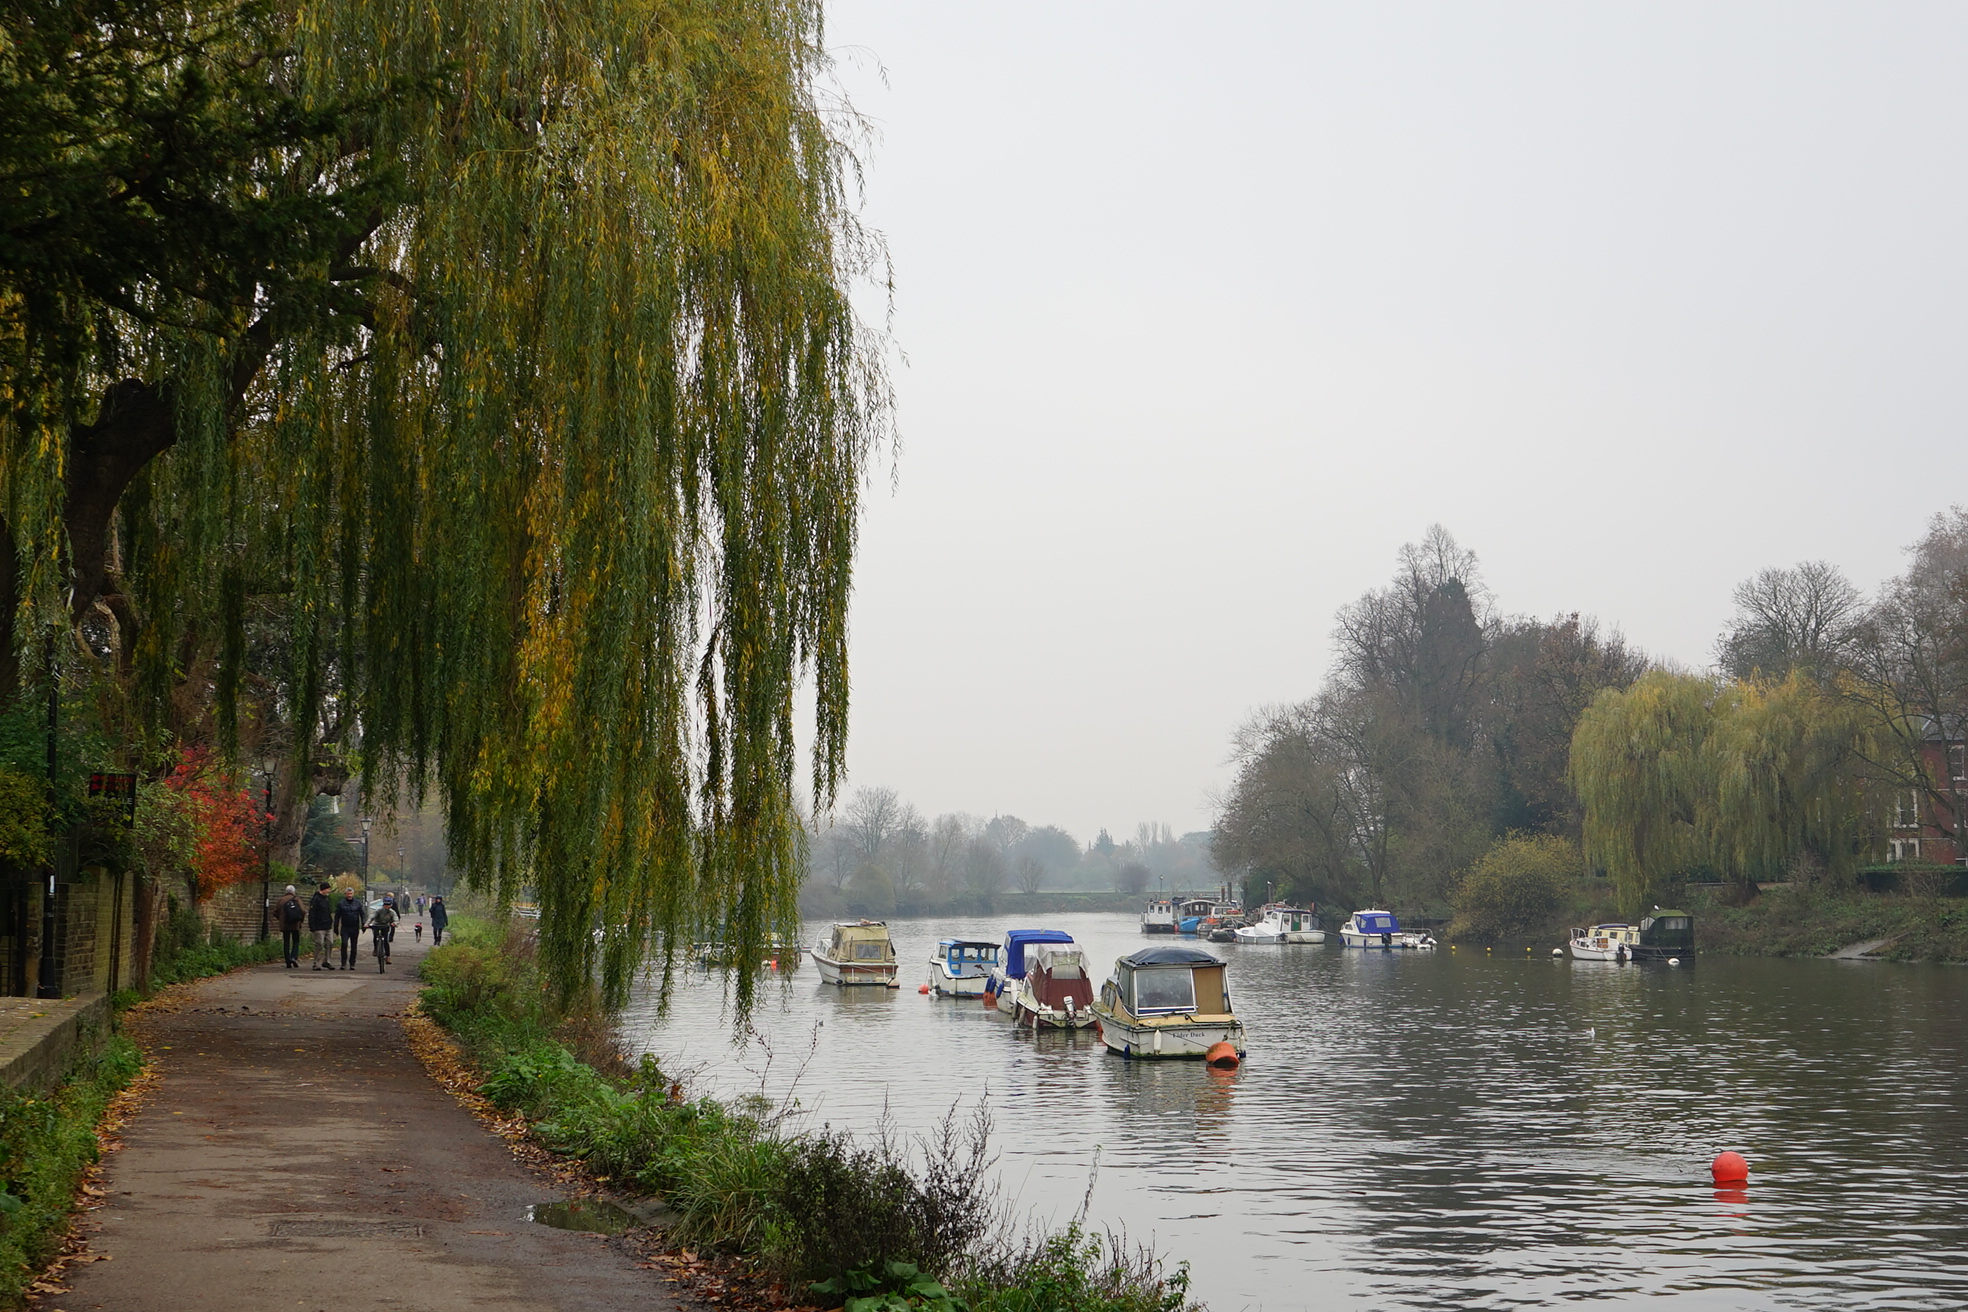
pixel 1057 999
pixel 858 952
pixel 1169 1002
pixel 1159 918
pixel 1665 935
pixel 960 967
pixel 1190 913
pixel 1282 924
pixel 1613 941
pixel 1379 929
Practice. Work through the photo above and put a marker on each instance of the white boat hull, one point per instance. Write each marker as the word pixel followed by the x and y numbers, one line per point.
pixel 955 986
pixel 1264 934
pixel 1379 942
pixel 1586 951
pixel 1035 1015
pixel 846 973
pixel 1188 1040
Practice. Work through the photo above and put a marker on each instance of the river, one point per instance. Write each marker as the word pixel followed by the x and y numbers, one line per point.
pixel 1449 1129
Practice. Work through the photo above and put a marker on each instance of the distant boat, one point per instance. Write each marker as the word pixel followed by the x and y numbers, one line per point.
pixel 858 952
pixel 1612 941
pixel 1169 1002
pixel 961 967
pixel 1282 924
pixel 1379 929
pixel 1665 935
pixel 1159 918
pixel 1190 914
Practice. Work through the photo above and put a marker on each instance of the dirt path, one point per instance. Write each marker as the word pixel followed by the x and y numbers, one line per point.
pixel 295 1157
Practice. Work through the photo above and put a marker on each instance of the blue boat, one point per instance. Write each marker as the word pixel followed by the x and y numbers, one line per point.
pixel 961 967
pixel 1011 962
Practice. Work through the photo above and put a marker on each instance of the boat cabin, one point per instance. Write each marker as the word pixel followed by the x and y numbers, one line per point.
pixel 1057 976
pixel 862 942
pixel 1376 922
pixel 1291 920
pixel 1016 941
pixel 1172 981
pixel 1668 932
pixel 1159 918
pixel 964 958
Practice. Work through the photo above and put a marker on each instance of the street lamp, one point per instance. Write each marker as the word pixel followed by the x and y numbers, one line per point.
pixel 266 852
pixel 366 822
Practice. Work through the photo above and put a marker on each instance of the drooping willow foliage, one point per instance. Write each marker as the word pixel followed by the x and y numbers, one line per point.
pixel 1682 773
pixel 563 513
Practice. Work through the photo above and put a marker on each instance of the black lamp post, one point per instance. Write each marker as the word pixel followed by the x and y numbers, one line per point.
pixel 266 853
pixel 366 822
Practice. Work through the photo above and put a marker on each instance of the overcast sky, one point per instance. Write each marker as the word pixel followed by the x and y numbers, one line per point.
pixel 1209 308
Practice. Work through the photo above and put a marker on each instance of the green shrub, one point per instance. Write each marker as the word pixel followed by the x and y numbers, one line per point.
pixel 186 948
pixel 1072 1270
pixel 1517 888
pixel 45 1144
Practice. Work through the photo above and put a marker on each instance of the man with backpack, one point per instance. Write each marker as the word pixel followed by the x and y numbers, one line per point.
pixel 321 922
pixel 349 917
pixel 290 914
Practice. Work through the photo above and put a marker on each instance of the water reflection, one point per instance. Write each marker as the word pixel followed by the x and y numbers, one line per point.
pixel 1445 1129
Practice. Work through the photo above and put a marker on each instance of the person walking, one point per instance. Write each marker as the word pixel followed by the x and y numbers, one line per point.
pixel 291 914
pixel 349 918
pixel 439 919
pixel 321 923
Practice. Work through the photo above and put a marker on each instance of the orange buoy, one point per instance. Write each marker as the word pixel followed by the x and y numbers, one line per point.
pixel 1223 1056
pixel 922 988
pixel 1729 1168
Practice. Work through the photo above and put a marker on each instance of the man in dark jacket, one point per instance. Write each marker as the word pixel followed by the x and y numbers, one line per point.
pixel 321 922
pixel 349 916
pixel 290 913
pixel 439 919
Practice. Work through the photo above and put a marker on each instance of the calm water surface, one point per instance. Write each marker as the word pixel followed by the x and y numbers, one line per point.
pixel 1436 1130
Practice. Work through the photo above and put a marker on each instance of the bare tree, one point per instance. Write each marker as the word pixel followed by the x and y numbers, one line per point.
pixel 1131 877
pixel 1807 618
pixel 983 867
pixel 1006 832
pixel 1029 873
pixel 908 860
pixel 948 839
pixel 870 818
pixel 832 858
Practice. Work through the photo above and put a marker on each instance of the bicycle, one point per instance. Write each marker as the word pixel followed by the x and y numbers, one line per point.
pixel 381 947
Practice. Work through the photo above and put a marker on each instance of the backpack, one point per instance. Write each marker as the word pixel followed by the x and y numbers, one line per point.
pixel 292 912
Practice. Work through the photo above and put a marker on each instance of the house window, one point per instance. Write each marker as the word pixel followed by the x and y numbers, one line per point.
pixel 1905 849
pixel 1958 762
pixel 1906 811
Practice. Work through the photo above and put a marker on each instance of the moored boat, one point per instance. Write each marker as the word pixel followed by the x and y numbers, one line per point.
pixel 1190 913
pixel 1169 1002
pixel 1014 960
pixel 1277 923
pixel 961 967
pixel 1057 991
pixel 1379 929
pixel 1665 935
pixel 1612 941
pixel 1159 918
pixel 857 952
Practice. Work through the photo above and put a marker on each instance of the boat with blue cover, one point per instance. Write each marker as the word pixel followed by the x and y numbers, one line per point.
pixel 1041 980
pixel 1379 929
pixel 961 967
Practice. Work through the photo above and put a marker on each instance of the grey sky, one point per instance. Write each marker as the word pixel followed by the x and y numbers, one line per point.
pixel 1209 308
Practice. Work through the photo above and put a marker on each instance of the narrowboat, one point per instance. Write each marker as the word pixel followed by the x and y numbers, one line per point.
pixel 1379 929
pixel 1159 918
pixel 1169 1002
pixel 960 967
pixel 858 952
pixel 1665 934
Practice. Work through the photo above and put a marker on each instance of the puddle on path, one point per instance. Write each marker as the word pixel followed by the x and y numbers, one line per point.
pixel 589 1214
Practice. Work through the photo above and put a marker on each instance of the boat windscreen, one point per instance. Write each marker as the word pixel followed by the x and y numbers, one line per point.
pixel 1379 924
pixel 1164 990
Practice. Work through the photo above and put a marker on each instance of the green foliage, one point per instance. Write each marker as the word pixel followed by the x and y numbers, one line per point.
pixel 24 837
pixel 1814 921
pixel 1517 888
pixel 871 892
pixel 45 1144
pixel 186 948
pixel 894 1287
pixel 1073 1270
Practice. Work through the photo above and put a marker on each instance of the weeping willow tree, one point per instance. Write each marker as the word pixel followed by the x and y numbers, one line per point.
pixel 1645 779
pixel 537 459
pixel 1679 773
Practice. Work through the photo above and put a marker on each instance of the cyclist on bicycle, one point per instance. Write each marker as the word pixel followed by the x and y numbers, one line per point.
pixel 383 926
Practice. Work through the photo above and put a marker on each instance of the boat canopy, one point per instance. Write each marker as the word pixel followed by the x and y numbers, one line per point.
pixel 1059 960
pixel 1376 922
pixel 866 941
pixel 1015 941
pixel 1668 928
pixel 1170 956
pixel 966 949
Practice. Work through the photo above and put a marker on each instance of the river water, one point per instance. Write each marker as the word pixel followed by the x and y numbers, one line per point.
pixel 1452 1129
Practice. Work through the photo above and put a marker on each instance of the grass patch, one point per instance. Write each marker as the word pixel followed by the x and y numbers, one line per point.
pixel 877 1219
pixel 46 1143
pixel 1804 921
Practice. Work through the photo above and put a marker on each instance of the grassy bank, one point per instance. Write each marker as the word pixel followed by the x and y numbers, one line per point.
pixel 1813 922
pixel 849 1219
pixel 46 1143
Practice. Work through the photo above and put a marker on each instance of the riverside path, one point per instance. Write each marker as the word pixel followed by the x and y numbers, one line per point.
pixel 294 1156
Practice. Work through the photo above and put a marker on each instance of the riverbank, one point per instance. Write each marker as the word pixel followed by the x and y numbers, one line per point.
pixel 1806 922
pixel 822 1213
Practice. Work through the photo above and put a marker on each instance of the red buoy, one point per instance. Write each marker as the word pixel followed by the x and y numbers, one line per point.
pixel 1730 1168
pixel 1223 1056
pixel 922 988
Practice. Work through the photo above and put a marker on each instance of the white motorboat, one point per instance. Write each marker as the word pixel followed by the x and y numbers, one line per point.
pixel 1056 992
pixel 1379 929
pixel 1282 924
pixel 1159 918
pixel 858 952
pixel 1170 1002
pixel 1613 941
pixel 961 967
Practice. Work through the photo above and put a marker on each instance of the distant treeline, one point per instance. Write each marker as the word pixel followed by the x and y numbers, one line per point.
pixel 1451 739
pixel 879 855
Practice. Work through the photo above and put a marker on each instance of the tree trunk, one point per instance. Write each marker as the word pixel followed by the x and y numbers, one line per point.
pixel 136 424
